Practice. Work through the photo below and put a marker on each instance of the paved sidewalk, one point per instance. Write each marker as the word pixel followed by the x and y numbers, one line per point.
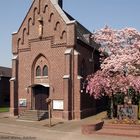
pixel 11 128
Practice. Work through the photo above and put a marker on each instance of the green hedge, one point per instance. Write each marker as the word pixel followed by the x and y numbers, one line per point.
pixel 4 109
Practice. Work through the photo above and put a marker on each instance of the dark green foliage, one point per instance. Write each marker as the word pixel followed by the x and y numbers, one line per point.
pixel 118 99
pixel 109 108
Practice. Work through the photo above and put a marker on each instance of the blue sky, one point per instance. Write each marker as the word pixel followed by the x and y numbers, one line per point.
pixel 93 14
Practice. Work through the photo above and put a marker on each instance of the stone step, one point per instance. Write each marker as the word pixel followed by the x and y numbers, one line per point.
pixel 119 132
pixel 101 128
pixel 29 118
pixel 122 126
pixel 33 115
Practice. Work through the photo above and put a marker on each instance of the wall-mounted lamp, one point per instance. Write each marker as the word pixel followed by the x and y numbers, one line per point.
pixel 27 89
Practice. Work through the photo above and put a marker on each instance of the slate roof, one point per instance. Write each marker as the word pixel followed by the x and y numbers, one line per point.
pixel 83 34
pixel 5 72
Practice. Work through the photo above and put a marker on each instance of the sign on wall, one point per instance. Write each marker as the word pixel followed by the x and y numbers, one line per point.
pixel 22 102
pixel 127 112
pixel 58 104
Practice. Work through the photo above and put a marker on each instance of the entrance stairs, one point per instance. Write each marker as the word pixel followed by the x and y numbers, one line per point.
pixel 33 115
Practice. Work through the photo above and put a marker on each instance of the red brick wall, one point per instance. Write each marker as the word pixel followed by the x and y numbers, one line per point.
pixel 49 49
pixel 87 103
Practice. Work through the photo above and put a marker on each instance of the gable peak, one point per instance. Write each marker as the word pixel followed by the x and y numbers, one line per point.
pixel 59 2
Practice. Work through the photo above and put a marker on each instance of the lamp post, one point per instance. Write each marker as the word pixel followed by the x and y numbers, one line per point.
pixel 49 102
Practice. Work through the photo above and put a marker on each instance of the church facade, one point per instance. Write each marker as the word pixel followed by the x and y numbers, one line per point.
pixel 52 54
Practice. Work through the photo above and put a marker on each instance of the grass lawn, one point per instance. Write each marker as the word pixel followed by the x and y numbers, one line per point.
pixel 4 109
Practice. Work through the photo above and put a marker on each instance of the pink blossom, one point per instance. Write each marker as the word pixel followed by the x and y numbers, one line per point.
pixel 120 67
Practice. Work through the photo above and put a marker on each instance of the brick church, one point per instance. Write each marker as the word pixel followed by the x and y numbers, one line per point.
pixel 52 54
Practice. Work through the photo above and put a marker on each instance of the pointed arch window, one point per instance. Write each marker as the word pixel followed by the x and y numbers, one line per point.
pixel 38 71
pixel 45 70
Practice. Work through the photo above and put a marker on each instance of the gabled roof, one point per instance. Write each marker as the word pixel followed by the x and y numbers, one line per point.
pixel 57 7
pixel 82 33
pixel 5 72
pixel 61 11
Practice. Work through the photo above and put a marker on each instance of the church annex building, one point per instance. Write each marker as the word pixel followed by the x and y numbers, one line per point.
pixel 52 54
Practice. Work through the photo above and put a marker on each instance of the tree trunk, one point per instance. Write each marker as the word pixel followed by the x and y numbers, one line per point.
pixel 139 109
pixel 111 107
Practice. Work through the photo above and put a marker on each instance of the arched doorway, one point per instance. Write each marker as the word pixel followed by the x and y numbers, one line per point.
pixel 40 93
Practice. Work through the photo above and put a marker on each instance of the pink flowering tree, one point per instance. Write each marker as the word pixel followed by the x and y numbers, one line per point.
pixel 120 63
pixel 100 84
pixel 120 53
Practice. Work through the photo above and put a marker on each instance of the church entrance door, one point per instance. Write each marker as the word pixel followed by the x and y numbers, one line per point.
pixel 41 93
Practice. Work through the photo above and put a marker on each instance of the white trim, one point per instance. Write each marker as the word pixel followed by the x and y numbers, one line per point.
pixel 68 51
pixel 60 11
pixel 76 52
pixel 14 32
pixel 12 79
pixel 15 57
pixel 42 84
pixel 79 77
pixel 71 22
pixel 66 76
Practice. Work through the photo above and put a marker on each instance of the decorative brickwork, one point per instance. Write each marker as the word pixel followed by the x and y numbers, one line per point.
pixel 49 36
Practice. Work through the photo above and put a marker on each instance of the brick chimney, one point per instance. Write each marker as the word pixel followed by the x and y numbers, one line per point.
pixel 60 3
